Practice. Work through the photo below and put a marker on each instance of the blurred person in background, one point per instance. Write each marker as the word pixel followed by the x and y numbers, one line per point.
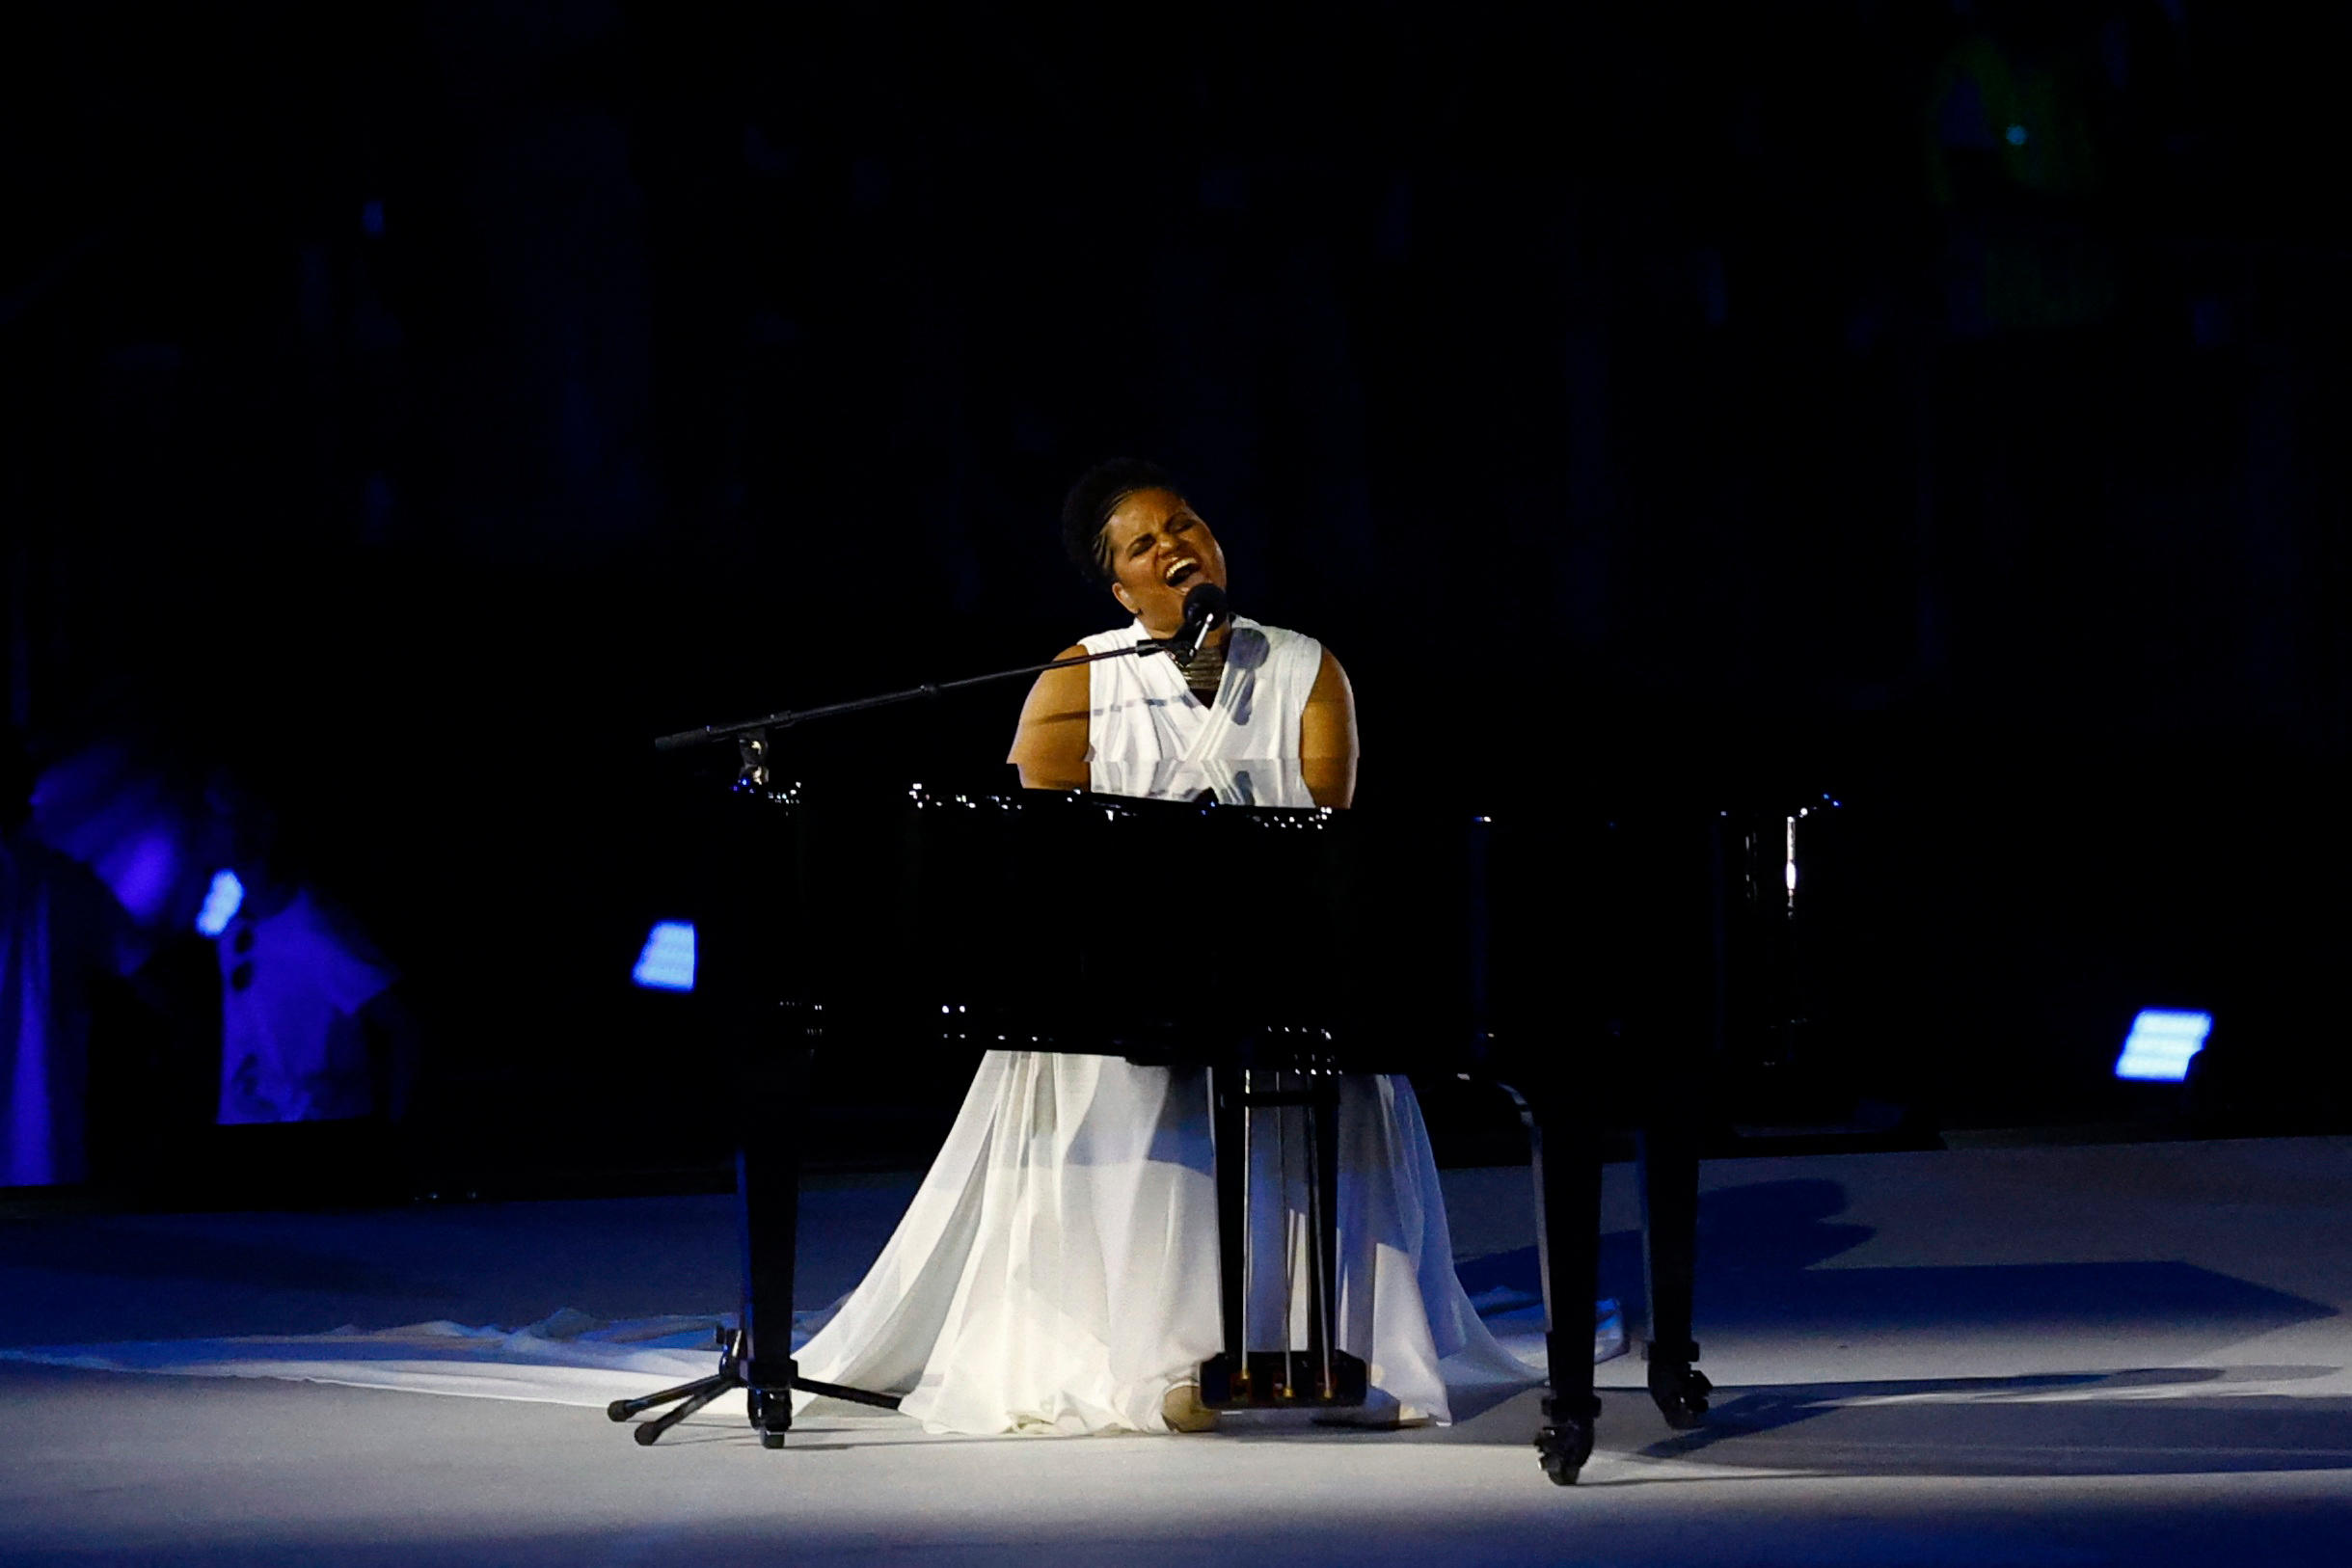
pixel 310 1029
pixel 66 946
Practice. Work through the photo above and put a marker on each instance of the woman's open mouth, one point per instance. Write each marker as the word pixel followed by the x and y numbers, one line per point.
pixel 1180 572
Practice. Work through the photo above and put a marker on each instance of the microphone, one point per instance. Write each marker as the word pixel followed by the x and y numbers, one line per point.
pixel 1205 608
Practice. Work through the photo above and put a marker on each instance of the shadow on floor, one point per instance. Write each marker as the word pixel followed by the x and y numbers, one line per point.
pixel 1759 1245
pixel 1772 1227
pixel 2147 1421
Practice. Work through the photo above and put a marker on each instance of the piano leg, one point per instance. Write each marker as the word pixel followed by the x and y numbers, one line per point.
pixel 1564 1149
pixel 1669 1235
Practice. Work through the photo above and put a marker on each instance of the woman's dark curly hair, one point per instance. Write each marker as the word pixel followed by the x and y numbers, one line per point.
pixel 1088 506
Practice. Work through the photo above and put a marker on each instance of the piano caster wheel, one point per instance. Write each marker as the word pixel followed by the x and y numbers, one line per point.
pixel 1681 1392
pixel 1564 1442
pixel 771 1440
pixel 1563 1449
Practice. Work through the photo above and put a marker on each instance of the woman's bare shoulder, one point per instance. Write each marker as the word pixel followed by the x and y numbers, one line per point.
pixel 1049 746
pixel 1069 677
pixel 1059 693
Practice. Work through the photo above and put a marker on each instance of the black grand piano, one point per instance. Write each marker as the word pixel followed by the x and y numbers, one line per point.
pixel 1591 960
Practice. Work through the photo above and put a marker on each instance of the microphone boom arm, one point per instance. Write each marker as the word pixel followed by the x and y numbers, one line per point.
pixel 712 734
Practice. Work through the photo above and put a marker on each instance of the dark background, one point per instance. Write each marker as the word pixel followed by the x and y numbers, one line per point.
pixel 413 409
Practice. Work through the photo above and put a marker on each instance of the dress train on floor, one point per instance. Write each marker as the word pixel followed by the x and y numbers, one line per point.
pixel 1057 1269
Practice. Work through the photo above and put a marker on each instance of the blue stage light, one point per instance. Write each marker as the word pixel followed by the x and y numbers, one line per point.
pixel 2160 1044
pixel 371 219
pixel 222 902
pixel 667 964
pixel 2017 136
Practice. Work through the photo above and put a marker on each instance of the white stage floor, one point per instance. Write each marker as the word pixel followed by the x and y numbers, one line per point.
pixel 2049 1356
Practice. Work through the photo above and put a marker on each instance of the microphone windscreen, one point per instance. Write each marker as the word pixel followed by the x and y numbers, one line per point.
pixel 1204 604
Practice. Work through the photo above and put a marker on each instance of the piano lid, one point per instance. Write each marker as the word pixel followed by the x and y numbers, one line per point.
pixel 1474 781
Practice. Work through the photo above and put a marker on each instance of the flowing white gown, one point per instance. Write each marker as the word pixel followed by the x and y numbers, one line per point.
pixel 1057 1270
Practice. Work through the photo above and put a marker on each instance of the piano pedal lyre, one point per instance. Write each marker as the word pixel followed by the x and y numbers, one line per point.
pixel 1283 1380
pixel 1321 1375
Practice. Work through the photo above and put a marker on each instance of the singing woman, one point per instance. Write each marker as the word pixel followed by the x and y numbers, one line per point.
pixel 1057 1271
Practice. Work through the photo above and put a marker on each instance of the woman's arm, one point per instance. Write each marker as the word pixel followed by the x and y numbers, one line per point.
pixel 1049 748
pixel 1327 736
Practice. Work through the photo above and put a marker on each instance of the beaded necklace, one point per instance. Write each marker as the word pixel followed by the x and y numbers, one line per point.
pixel 1206 671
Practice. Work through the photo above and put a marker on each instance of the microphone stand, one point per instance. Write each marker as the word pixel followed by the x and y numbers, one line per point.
pixel 763 1158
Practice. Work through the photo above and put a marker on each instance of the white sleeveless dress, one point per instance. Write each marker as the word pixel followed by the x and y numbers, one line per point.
pixel 1057 1271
